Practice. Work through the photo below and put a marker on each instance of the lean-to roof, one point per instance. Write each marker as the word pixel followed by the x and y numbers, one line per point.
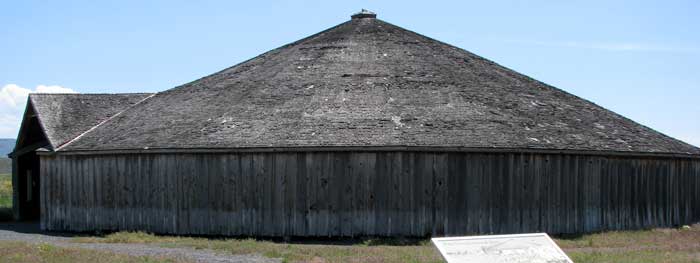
pixel 64 117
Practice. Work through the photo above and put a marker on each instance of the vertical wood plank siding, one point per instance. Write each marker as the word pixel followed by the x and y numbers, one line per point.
pixel 366 193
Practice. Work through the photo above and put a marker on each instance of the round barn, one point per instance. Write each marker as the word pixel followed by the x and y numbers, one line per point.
pixel 363 129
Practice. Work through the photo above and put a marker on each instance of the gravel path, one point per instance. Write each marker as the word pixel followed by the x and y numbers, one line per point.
pixel 30 233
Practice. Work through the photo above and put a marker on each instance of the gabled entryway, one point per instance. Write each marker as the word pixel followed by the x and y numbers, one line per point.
pixel 26 176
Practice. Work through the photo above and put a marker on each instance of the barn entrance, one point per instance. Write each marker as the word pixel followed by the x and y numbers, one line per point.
pixel 26 176
pixel 28 182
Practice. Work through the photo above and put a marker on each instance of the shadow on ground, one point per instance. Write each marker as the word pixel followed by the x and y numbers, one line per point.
pixel 32 227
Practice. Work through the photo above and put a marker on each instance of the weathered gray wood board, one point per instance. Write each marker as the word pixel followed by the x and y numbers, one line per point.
pixel 366 193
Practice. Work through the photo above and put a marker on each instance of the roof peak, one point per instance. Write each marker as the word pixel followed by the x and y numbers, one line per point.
pixel 364 13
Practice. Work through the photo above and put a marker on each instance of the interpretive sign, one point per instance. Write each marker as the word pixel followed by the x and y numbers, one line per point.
pixel 536 248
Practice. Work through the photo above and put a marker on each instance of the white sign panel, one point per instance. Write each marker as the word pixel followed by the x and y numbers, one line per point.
pixel 501 248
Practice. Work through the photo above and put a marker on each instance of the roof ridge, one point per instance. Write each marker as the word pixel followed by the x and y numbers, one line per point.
pixel 259 56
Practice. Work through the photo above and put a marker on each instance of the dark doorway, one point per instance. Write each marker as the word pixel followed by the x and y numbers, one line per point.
pixel 28 182
pixel 26 175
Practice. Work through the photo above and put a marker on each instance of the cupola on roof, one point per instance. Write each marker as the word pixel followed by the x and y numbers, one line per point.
pixel 364 14
pixel 368 83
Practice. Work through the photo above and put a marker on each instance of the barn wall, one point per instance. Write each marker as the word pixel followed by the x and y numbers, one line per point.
pixel 366 193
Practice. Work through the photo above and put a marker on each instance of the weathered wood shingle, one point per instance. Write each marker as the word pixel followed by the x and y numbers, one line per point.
pixel 64 117
pixel 370 83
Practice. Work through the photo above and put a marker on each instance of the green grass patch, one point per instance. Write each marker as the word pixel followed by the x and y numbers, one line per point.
pixel 5 197
pixel 20 252
pixel 5 190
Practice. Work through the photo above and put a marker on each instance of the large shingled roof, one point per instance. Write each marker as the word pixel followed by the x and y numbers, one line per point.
pixel 365 83
pixel 66 116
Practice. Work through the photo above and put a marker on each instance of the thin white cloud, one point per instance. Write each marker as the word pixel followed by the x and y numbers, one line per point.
pixel 611 46
pixel 13 99
pixel 53 89
pixel 12 95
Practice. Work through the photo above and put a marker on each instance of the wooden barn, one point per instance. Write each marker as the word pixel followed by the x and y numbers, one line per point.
pixel 364 129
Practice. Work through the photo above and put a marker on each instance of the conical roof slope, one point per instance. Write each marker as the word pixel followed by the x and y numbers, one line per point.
pixel 368 83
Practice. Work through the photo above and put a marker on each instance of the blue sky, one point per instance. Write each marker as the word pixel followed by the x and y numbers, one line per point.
pixel 638 58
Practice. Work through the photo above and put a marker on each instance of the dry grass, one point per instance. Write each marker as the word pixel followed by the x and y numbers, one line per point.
pixel 18 252
pixel 657 245
pixel 370 250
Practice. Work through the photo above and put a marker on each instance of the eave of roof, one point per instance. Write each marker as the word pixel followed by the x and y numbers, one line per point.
pixel 434 149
